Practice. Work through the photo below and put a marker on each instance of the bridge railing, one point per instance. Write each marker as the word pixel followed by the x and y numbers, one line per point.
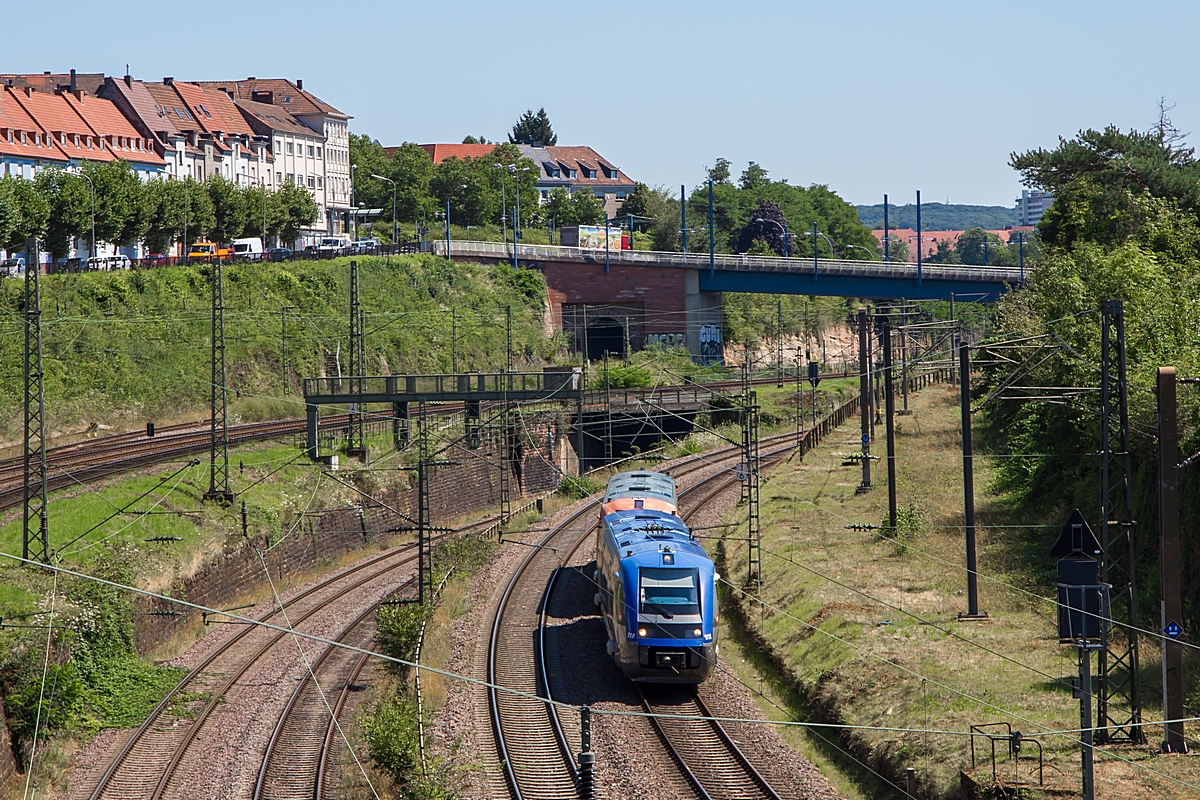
pixel 465 384
pixel 728 262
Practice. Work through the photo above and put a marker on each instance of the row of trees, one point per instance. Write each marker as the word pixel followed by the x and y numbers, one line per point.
pixel 737 207
pixel 58 205
pixel 978 247
pixel 479 190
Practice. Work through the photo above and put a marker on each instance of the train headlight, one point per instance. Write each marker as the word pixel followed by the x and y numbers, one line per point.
pixel 642 632
pixel 697 633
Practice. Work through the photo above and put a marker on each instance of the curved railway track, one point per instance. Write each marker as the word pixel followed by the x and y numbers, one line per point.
pixel 530 739
pixel 536 757
pixel 155 761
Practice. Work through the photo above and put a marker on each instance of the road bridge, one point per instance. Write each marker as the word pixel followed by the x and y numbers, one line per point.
pixel 674 298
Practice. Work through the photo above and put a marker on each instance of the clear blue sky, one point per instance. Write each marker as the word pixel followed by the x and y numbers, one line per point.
pixel 867 97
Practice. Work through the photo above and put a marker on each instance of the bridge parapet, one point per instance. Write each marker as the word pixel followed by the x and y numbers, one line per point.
pixel 736 263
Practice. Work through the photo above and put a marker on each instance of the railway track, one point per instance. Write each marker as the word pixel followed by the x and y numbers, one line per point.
pixel 537 759
pixel 93 459
pixel 158 760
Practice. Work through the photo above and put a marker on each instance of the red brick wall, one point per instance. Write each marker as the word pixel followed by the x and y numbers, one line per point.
pixel 661 292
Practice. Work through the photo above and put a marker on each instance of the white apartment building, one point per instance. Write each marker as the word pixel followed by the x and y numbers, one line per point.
pixel 1031 205
pixel 329 163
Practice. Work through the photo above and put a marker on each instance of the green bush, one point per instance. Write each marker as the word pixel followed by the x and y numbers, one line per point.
pixel 398 628
pixel 577 488
pixel 392 739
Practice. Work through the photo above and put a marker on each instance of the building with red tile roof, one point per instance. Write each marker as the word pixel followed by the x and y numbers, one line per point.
pixel 24 147
pixel 115 132
pixel 931 240
pixel 576 168
pixel 311 111
pixel 440 152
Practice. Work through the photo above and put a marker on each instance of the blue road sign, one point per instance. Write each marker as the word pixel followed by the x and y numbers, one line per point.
pixel 1173 630
pixel 866 439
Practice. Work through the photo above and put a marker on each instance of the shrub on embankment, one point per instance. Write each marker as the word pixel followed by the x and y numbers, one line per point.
pixel 137 344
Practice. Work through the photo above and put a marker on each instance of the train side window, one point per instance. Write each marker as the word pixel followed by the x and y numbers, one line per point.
pixel 619 602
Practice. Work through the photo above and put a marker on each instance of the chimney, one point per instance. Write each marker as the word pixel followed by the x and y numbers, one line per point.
pixel 79 94
pixel 47 72
pixel 252 78
pixel 29 91
pixel 300 84
pixel 169 81
pixel 128 80
pixel 74 86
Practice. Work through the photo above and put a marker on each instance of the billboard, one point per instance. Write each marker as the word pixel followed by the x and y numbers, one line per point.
pixel 590 236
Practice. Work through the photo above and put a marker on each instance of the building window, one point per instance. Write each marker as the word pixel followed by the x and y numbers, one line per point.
pixel 311 182
pixel 291 178
pixel 289 148
pixel 318 183
pixel 318 152
pixel 310 151
pixel 278 177
pixel 279 145
pixel 571 173
pixel 591 173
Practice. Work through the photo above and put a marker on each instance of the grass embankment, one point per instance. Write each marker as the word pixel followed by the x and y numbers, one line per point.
pixel 123 348
pixel 864 626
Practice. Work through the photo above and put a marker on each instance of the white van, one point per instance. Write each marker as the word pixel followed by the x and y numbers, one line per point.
pixel 330 244
pixel 248 249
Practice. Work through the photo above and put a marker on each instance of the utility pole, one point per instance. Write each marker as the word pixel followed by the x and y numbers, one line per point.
pixel 778 343
pixel 608 430
pixel 750 469
pixel 283 347
pixel 953 339
pixel 903 352
pixel 1085 717
pixel 964 360
pixel 424 556
pixel 628 354
pixel 864 401
pixel 1118 701
pixel 889 399
pixel 356 445
pixel 508 335
pixel 35 540
pixel 454 341
pixel 1169 558
pixel 218 449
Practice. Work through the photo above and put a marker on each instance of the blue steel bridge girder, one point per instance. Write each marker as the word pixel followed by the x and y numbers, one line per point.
pixel 864 286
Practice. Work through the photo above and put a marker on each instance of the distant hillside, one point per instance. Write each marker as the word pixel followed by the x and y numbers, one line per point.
pixel 939 216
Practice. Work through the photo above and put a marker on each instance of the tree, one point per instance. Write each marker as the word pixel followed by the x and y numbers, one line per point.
pixel 229 209
pixel 719 172
pixel 122 216
pixel 533 129
pixel 299 211
pixel 412 168
pixel 754 177
pixel 1097 177
pixel 475 140
pixel 970 248
pixel 897 249
pixel 262 205
pixel 165 204
pixel 24 212
pixel 199 215
pixel 69 200
pixel 766 224
pixel 589 209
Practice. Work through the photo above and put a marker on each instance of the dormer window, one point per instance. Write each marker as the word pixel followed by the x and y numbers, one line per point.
pixel 571 173
pixel 23 139
pixel 591 173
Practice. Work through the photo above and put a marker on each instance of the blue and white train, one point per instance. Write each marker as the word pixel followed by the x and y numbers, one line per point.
pixel 656 584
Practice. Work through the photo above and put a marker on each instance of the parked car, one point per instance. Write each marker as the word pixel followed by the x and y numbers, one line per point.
pixel 157 259
pixel 12 266
pixel 280 254
pixel 364 246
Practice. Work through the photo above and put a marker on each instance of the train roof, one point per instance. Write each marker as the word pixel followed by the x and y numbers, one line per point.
pixel 639 531
pixel 642 483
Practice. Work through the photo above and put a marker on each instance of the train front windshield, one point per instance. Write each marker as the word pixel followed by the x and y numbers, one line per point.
pixel 669 593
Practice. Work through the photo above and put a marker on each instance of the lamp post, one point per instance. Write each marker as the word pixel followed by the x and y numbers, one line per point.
pixel 460 188
pixel 860 247
pixel 393 183
pixel 783 227
pixel 262 181
pixel 516 173
pixel 683 228
pixel 353 213
pixel 503 205
pixel 186 204
pixel 712 241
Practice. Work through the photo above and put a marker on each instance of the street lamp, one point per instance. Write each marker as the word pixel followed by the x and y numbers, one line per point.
pixel 503 204
pixel 393 183
pixel 354 212
pixel 866 250
pixel 782 227
pixel 517 190
pixel 460 187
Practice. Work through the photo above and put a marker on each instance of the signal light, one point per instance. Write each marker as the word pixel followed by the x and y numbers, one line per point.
pixel 642 632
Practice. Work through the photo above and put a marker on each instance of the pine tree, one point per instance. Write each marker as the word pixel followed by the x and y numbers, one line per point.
pixel 533 129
